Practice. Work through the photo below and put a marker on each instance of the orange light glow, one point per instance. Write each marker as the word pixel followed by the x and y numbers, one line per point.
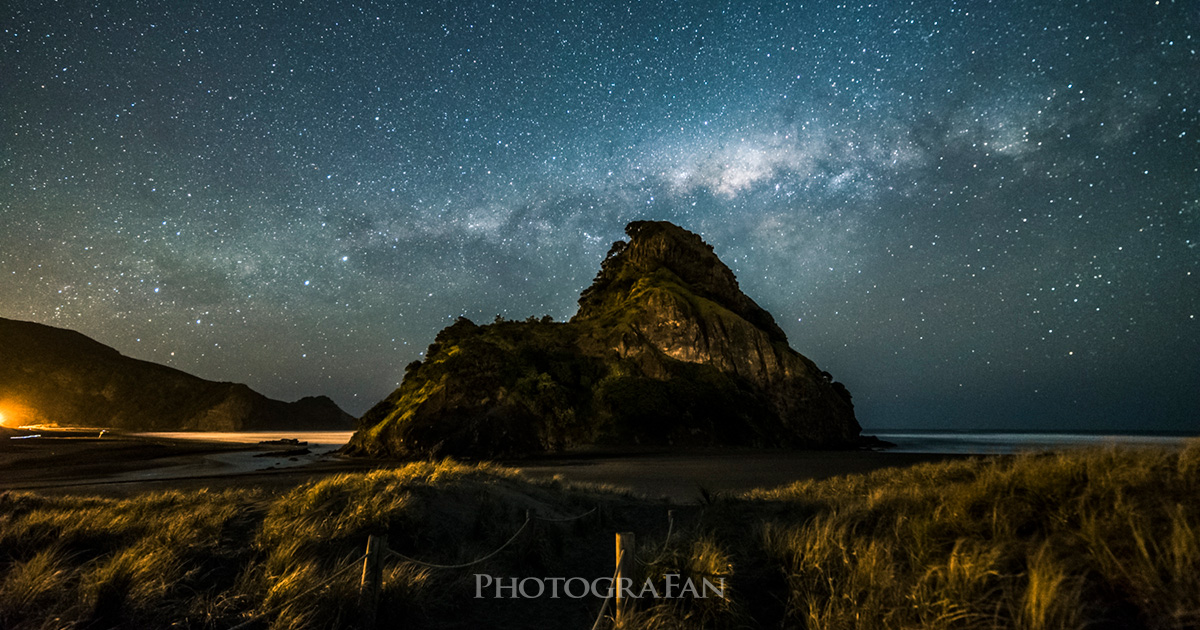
pixel 14 413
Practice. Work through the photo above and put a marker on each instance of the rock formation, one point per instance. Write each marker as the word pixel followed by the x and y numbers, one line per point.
pixel 665 349
pixel 56 376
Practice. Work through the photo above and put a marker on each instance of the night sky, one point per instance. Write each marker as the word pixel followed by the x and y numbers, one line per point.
pixel 974 214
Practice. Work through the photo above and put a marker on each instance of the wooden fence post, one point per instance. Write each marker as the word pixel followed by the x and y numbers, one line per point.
pixel 372 580
pixel 625 546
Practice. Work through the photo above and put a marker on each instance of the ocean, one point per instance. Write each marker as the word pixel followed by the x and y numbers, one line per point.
pixel 1004 442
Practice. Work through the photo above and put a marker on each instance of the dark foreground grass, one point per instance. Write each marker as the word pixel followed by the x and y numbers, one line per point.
pixel 1097 539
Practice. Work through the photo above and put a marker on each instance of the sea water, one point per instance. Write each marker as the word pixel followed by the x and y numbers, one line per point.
pixel 1004 442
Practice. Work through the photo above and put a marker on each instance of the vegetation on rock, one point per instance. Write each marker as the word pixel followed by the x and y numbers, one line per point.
pixel 665 349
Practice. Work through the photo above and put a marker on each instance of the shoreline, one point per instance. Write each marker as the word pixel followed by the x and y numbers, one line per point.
pixel 78 461
pixel 687 476
pixel 128 464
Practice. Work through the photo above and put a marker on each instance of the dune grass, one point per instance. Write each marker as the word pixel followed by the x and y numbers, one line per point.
pixel 216 560
pixel 1095 539
pixel 1104 538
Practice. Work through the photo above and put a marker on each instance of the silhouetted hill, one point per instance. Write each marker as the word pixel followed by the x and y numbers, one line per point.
pixel 665 349
pixel 54 375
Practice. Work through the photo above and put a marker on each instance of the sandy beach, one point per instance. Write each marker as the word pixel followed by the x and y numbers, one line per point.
pixel 120 464
pixel 686 476
pixel 69 461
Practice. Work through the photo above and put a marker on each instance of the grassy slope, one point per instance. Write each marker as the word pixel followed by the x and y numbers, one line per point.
pixel 1109 538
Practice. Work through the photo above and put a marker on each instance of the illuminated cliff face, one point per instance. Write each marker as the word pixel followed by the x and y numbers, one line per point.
pixel 665 350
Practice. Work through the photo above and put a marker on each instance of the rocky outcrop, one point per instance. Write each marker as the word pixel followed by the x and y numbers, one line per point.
pixel 665 349
pixel 669 296
pixel 658 246
pixel 56 376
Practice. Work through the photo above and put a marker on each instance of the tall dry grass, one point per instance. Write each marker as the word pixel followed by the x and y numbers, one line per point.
pixel 216 560
pixel 1104 538
pixel 1034 541
pixel 99 562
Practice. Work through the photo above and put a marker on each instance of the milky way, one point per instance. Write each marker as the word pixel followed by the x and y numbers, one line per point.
pixel 975 214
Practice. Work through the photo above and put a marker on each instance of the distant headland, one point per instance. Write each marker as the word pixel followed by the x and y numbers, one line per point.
pixel 60 377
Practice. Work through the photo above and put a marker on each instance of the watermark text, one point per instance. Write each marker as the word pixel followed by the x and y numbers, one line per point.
pixel 672 586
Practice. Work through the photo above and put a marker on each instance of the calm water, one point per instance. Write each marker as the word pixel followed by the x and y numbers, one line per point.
pixel 997 442
pixel 315 439
pixel 968 442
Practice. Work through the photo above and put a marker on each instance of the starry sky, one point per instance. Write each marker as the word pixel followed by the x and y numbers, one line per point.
pixel 977 215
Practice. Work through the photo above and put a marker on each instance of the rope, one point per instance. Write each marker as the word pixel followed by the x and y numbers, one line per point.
pixel 257 616
pixel 611 591
pixel 431 565
pixel 667 541
pixel 465 564
pixel 569 518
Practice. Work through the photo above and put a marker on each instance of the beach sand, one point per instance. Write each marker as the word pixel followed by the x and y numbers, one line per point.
pixel 685 476
pixel 124 464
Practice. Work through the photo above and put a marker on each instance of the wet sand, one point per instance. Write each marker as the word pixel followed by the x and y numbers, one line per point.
pixel 128 464
pixel 686 476
pixel 61 459
pixel 64 461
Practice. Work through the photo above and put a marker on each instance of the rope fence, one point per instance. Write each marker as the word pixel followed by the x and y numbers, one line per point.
pixel 528 517
pixel 431 565
pixel 377 550
pixel 567 519
pixel 666 541
pixel 604 607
